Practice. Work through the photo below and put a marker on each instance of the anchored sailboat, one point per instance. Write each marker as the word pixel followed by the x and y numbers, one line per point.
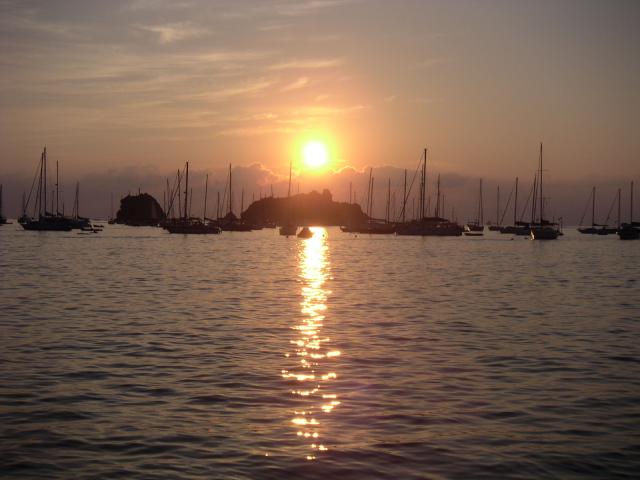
pixel 544 230
pixel 476 228
pixel 289 229
pixel 231 223
pixel 3 219
pixel 188 224
pixel 42 219
pixel 436 225
pixel 631 230
pixel 498 225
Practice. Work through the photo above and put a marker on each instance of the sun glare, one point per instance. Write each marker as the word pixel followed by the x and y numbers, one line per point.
pixel 315 155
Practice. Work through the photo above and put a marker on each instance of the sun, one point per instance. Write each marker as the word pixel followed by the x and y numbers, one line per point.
pixel 315 155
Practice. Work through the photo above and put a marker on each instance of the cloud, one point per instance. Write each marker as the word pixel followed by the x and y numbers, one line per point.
pixel 299 83
pixel 310 6
pixel 173 32
pixel 249 88
pixel 307 64
pixel 390 98
pixel 157 5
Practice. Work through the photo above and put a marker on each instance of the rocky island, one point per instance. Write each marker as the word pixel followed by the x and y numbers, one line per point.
pixel 304 209
pixel 140 210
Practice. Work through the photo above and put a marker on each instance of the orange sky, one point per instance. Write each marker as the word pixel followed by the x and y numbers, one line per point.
pixel 143 85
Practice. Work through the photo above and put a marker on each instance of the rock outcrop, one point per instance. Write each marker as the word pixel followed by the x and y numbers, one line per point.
pixel 304 209
pixel 140 210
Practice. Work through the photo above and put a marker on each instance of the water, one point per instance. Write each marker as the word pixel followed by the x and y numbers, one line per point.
pixel 137 354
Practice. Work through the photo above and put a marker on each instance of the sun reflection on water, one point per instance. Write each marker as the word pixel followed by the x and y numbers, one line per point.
pixel 312 372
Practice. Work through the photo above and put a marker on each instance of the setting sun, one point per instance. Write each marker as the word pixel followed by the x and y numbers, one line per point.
pixel 315 154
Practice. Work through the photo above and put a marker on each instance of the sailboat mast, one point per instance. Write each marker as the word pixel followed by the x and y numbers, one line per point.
pixel 186 192
pixel 438 199
pixel 480 207
pixel 541 197
pixel 404 197
pixel 593 207
pixel 57 190
pixel 424 185
pixel 515 205
pixel 619 194
pixel 631 207
pixel 533 203
pixel 498 207
pixel 388 198
pixel 206 191
pixel 371 198
pixel 230 203
pixel 369 192
pixel 40 182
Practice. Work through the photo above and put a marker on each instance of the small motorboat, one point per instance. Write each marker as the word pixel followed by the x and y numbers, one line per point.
pixel 305 233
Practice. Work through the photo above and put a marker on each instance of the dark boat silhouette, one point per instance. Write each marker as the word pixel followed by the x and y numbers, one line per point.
pixel 3 219
pixel 631 230
pixel 187 224
pixel 542 230
pixel 42 219
pixel 596 228
pixel 476 228
pixel 432 226
pixel 288 229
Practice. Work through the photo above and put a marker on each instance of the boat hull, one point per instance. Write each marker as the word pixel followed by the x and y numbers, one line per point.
pixel 629 232
pixel 48 224
pixel 430 229
pixel 544 233
pixel 193 230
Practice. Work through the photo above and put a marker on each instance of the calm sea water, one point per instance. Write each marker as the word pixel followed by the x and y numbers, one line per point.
pixel 137 354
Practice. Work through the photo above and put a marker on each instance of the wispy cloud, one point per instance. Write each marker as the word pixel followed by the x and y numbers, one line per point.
pixel 297 84
pixel 307 64
pixel 157 4
pixel 247 89
pixel 309 6
pixel 173 32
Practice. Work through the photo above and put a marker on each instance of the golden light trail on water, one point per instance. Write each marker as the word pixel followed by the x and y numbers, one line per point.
pixel 313 368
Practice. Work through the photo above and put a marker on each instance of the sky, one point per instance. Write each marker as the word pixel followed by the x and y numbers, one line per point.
pixel 122 93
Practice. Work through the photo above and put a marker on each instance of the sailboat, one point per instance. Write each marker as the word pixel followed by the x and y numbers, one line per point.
pixel 595 228
pixel 231 223
pixel 476 228
pixel 188 224
pixel 372 225
pixel 288 229
pixel 77 221
pixel 435 226
pixel 631 230
pixel 3 219
pixel 43 220
pixel 544 230
pixel 497 226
